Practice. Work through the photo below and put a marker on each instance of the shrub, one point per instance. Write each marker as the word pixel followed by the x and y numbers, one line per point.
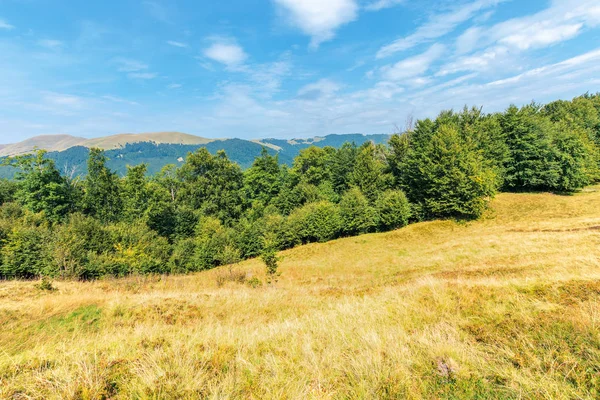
pixel 46 285
pixel 182 259
pixel 74 242
pixel 393 209
pixel 356 215
pixel 314 222
pixel 213 244
pixel 24 254
pixel 137 249
pixel 271 260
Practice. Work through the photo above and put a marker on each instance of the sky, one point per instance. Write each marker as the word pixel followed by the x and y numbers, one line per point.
pixel 282 68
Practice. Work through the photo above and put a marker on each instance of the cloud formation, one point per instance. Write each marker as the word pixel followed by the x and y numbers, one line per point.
pixel 377 5
pixel 226 52
pixel 413 66
pixel 5 25
pixel 438 26
pixel 317 18
pixel 176 44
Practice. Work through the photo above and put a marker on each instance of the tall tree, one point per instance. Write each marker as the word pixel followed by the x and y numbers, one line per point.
pixel 262 179
pixel 448 177
pixel 369 173
pixel 102 197
pixel 530 165
pixel 41 188
pixel 135 193
pixel 212 184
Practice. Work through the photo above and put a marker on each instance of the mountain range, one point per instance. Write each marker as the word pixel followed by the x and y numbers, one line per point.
pixel 161 148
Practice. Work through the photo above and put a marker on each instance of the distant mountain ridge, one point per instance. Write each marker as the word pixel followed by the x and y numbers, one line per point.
pixel 65 142
pixel 159 149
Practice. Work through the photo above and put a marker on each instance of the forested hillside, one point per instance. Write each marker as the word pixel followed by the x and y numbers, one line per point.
pixel 208 212
pixel 73 161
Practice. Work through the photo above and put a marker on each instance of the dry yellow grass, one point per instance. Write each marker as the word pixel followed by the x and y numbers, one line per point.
pixel 507 307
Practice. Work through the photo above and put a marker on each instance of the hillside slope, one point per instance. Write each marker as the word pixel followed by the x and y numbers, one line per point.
pixel 45 142
pixel 507 307
pixel 160 149
pixel 119 141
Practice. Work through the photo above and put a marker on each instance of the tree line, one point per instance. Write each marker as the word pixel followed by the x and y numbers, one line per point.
pixel 209 212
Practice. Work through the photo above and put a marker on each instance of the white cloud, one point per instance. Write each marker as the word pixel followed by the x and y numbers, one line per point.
pixel 563 20
pixel 439 25
pixel 571 64
pixel 413 66
pixel 377 5
pixel 174 86
pixel 116 99
pixel 226 52
pixel 51 44
pixel 268 78
pixel 142 75
pixel 477 62
pixel 5 25
pixel 381 91
pixel 63 100
pixel 128 65
pixel 468 40
pixel 176 44
pixel 319 19
pixel 505 43
pixel 541 35
pixel 322 88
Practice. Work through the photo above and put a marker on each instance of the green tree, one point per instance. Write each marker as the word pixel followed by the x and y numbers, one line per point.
pixel 314 222
pixel 393 210
pixel 574 159
pixel 342 166
pixel 448 177
pixel 212 184
pixel 312 165
pixel 530 165
pixel 262 179
pixel 75 243
pixel 357 216
pixel 369 173
pixel 24 253
pixel 102 197
pixel 41 188
pixel 134 193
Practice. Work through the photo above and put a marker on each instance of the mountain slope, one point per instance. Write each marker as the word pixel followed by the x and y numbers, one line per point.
pixel 118 141
pixel 506 307
pixel 157 154
pixel 46 142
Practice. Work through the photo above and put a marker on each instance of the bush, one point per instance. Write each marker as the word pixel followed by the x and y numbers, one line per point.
pixel 213 242
pixel 269 257
pixel 182 259
pixel 137 249
pixel 45 285
pixel 73 244
pixel 393 209
pixel 24 254
pixel 356 215
pixel 315 222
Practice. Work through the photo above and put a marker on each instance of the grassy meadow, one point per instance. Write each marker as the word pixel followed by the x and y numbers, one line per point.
pixel 506 307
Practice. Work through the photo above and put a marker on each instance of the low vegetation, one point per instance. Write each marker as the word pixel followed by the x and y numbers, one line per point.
pixel 209 212
pixel 504 307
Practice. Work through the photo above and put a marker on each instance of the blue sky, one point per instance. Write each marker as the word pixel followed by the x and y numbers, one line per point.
pixel 282 68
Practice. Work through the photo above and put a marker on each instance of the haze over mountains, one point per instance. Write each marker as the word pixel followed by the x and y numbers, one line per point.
pixel 162 148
